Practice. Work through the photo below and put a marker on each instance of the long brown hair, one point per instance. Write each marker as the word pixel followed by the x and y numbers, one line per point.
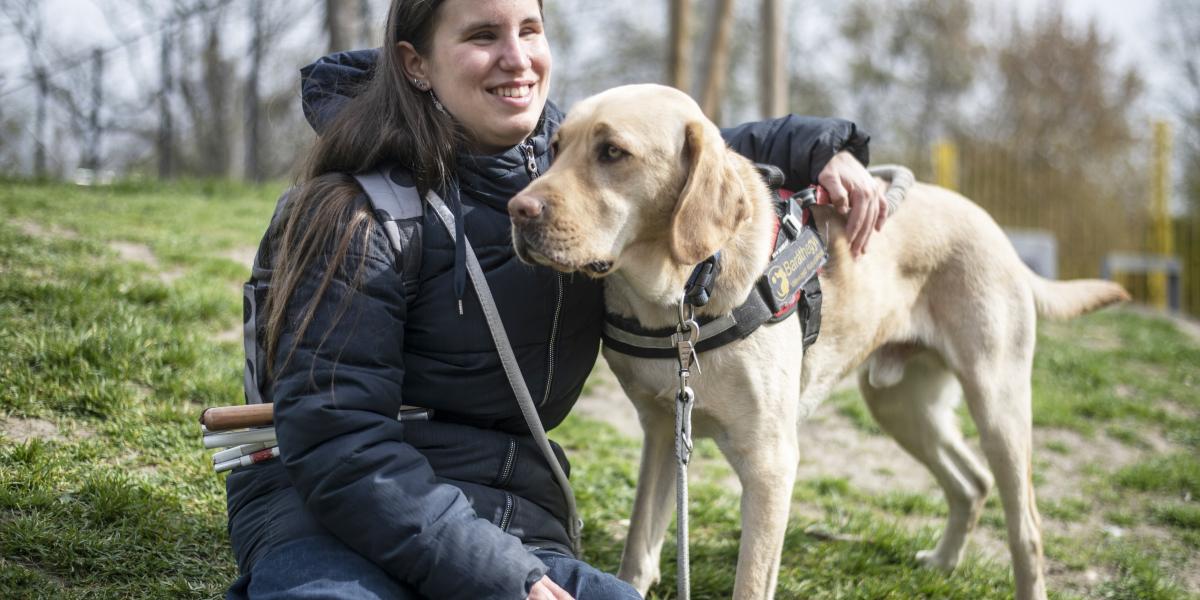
pixel 388 120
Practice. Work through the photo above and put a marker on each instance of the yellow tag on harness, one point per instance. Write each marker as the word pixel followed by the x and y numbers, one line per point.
pixel 795 263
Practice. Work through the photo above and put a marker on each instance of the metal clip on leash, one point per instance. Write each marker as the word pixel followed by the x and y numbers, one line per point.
pixel 687 332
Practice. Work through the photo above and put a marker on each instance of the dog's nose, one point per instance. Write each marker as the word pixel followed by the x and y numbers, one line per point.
pixel 526 206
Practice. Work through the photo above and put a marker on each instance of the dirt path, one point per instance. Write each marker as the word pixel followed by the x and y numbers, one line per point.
pixel 871 462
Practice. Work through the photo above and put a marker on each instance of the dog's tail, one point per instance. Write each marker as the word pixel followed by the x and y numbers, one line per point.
pixel 1066 299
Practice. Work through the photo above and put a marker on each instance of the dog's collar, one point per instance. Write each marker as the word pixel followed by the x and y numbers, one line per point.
pixel 628 336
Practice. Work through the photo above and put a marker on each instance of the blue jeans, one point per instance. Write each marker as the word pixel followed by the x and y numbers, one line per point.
pixel 324 567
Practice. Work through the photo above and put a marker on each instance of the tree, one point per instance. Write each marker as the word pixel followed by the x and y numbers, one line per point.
pixel 28 22
pixel 717 61
pixel 912 64
pixel 679 46
pixel 91 159
pixel 1053 148
pixel 205 85
pixel 268 20
pixel 773 79
pixel 252 103
pixel 340 21
pixel 165 147
pixel 1061 94
pixel 1181 45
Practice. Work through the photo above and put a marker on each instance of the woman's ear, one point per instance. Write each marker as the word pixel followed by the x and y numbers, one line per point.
pixel 713 200
pixel 413 63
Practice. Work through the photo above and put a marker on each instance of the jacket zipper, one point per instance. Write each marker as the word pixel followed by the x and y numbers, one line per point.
pixel 506 518
pixel 558 302
pixel 532 168
pixel 530 161
pixel 510 459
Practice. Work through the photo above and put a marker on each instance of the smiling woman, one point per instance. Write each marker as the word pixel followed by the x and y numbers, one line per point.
pixel 489 66
pixel 463 505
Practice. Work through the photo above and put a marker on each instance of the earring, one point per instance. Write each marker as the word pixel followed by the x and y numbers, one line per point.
pixel 420 85
pixel 437 103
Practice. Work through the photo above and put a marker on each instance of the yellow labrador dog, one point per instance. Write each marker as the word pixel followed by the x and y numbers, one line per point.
pixel 644 188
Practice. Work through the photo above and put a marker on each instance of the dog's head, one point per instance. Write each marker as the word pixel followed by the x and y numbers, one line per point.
pixel 637 166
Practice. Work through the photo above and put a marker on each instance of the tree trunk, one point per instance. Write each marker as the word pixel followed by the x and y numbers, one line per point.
pixel 773 83
pixel 92 152
pixel 253 169
pixel 216 142
pixel 718 60
pixel 39 137
pixel 339 24
pixel 366 24
pixel 166 132
pixel 679 63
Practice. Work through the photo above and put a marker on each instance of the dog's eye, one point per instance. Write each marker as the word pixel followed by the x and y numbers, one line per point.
pixel 610 153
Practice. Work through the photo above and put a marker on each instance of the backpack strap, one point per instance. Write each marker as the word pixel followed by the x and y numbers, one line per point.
pixel 254 293
pixel 395 202
pixel 398 206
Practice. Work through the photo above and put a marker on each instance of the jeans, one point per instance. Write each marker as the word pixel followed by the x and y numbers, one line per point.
pixel 323 567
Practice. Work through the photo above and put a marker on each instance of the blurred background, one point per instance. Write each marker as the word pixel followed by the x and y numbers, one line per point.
pixel 1075 123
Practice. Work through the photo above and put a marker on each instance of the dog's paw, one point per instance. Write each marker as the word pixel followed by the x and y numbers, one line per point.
pixel 642 581
pixel 933 560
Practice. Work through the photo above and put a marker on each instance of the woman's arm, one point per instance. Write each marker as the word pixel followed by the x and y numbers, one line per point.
pixel 800 146
pixel 336 402
pixel 811 150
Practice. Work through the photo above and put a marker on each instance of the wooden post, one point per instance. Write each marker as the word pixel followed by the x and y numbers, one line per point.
pixel 1161 237
pixel 945 164
pixel 718 60
pixel 679 63
pixel 773 82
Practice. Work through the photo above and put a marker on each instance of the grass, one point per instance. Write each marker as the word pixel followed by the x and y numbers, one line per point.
pixel 110 354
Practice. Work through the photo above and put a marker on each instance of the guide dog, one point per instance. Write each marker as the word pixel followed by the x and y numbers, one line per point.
pixel 643 188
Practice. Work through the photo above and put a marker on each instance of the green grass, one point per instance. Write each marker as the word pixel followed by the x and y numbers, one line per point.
pixel 111 360
pixel 1175 473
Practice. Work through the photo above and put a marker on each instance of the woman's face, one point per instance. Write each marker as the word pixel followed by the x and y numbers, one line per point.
pixel 489 65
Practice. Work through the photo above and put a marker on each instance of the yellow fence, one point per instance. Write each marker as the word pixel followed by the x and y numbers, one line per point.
pixel 1116 224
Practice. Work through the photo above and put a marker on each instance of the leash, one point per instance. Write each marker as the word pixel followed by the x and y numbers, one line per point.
pixel 686 334
pixel 513 371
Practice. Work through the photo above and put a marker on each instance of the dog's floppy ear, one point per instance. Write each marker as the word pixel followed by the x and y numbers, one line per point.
pixel 713 200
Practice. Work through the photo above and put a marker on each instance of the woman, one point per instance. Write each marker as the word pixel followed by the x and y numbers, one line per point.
pixel 463 505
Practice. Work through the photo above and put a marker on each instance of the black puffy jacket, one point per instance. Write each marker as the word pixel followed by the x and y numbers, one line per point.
pixel 448 505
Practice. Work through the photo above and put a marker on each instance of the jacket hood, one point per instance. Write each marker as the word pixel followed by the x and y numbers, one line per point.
pixel 327 84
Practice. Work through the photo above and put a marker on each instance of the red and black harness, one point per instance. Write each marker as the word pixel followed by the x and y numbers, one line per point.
pixel 788 285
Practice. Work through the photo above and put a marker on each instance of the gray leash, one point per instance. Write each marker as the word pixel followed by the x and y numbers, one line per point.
pixel 686 334
pixel 899 179
pixel 513 371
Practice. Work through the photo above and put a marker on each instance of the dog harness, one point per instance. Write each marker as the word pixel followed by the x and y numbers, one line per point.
pixel 788 285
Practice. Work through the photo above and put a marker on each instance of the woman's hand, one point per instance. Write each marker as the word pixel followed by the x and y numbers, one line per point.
pixel 545 589
pixel 852 190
